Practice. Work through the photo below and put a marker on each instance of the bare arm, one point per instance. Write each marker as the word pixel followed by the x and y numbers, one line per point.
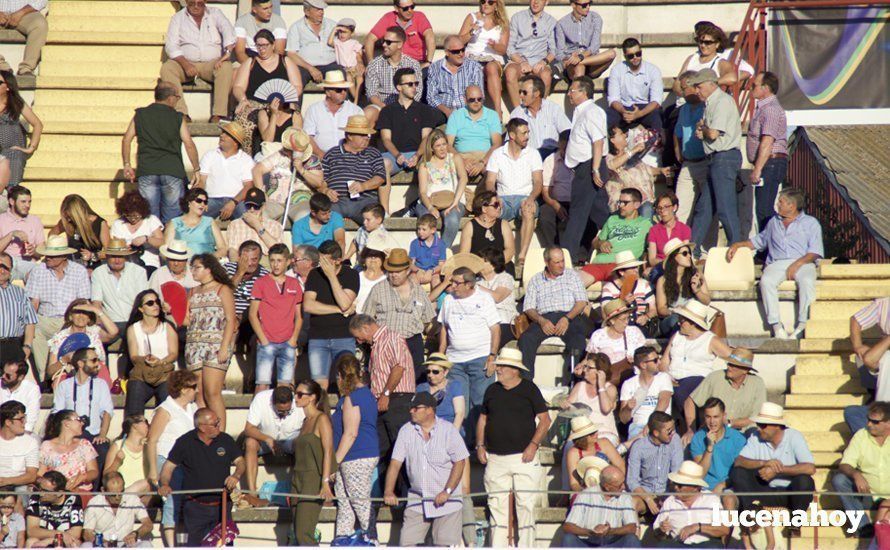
pixel 191 150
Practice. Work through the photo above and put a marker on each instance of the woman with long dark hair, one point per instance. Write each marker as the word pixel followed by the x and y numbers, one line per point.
pixel 14 149
pixel 313 460
pixel 199 232
pixel 65 450
pixel 681 282
pixel 210 338
pixel 153 347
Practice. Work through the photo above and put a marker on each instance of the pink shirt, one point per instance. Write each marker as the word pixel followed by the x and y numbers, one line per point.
pixel 658 234
pixel 30 225
pixel 345 51
pixel 413 46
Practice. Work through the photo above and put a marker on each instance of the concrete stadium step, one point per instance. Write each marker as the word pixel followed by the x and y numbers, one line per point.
pixel 825 400
pixel 825 365
pixel 82 34
pixel 91 54
pixel 815 419
pixel 854 271
pixel 99 69
pixel 836 328
pixel 857 290
pixel 93 8
pixel 836 311
pixel 825 384
pixel 832 441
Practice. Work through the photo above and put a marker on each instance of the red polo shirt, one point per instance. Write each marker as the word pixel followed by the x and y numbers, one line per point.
pixel 413 46
pixel 278 306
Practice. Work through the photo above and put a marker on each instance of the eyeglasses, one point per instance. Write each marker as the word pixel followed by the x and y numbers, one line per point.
pixel 411 84
pixel 7 505
pixel 624 203
pixel 18 419
pixel 263 45
pixel 435 371
pixel 474 100
pixel 200 200
pixel 534 28
pixel 407 8
pixel 214 424
pixel 683 253
pixel 633 55
pixel 664 208
pixel 459 51
pixel 336 90
pixel 149 303
pixel 302 394
pixel 707 42
pixel 301 260
pixel 458 283
pixel 387 42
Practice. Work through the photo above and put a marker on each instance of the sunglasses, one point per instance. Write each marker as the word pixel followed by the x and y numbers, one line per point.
pixel 81 419
pixel 458 283
pixel 458 51
pixel 411 84
pixel 487 2
pixel 407 8
pixel 707 42
pixel 633 55
pixel 302 394
pixel 251 206
pixel 534 28
pixel 149 303
pixel 387 42
pixel 200 200
pixel 474 100
pixel 435 371
pixel 495 204
pixel 683 253
pixel 870 421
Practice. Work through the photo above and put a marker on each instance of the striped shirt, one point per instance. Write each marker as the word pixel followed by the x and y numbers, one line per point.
pixel 340 167
pixel 55 295
pixel 16 311
pixel 591 509
pixel 388 350
pixel 546 295
pixel 244 290
pixel 575 35
pixel 648 464
pixel 532 39
pixel 875 313
pixel 428 463
pixel 447 88
pixel 378 78
pixel 768 120
pixel 407 317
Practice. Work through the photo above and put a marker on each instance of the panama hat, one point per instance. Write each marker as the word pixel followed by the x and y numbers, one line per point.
pixel 382 241
pixel 55 245
pixel 589 469
pixel 117 247
pixel 742 357
pixel 626 259
pixel 696 312
pixel 176 250
pixel 689 473
pixel 770 413
pixel 510 357
pixel 298 141
pixel 463 259
pixel 442 199
pixel 615 307
pixel 335 79
pixel 438 360
pixel 359 124
pixel 269 148
pixel 235 130
pixel 672 246
pixel 582 426
pixel 397 260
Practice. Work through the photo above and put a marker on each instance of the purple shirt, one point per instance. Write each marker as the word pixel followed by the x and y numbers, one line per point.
pixel 802 236
pixel 428 464
pixel 768 120
pixel 659 235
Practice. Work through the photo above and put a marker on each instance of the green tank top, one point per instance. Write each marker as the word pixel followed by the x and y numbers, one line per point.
pixel 159 144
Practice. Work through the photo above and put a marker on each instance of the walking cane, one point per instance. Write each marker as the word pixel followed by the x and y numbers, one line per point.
pixel 290 189
pixel 224 519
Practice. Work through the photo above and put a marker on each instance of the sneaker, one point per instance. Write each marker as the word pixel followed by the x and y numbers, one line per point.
pixel 798 332
pixel 780 333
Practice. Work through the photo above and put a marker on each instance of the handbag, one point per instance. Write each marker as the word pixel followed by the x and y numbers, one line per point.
pixel 718 324
pixel 214 538
pixel 520 324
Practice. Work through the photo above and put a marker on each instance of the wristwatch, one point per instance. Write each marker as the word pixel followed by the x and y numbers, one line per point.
pixel 386 393
pixel 449 490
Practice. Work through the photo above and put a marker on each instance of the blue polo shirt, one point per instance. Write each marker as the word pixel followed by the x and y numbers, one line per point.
pixel 473 135
pixel 725 452
pixel 792 450
pixel 690 146
pixel 427 257
pixel 301 234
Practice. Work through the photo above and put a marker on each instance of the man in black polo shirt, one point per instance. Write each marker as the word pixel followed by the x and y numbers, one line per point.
pixel 207 455
pixel 355 171
pixel 508 442
pixel 405 124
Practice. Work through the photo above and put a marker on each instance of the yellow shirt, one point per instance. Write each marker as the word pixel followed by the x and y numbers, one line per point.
pixel 873 460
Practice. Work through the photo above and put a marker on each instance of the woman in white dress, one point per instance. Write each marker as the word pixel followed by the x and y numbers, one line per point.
pixel 485 34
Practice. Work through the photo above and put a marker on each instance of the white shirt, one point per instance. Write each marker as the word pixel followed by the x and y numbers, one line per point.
pixel 226 176
pixel 691 357
pixel 364 289
pixel 262 415
pixel 468 322
pixel 28 394
pixel 100 517
pixel 647 398
pixel 701 511
pixel 146 228
pixel 17 454
pixel 588 126
pixel 325 127
pixel 515 176
pixel 181 422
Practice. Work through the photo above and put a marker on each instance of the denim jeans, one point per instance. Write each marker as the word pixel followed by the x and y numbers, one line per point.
pixel 843 483
pixel 856 417
pixel 651 120
pixel 324 351
pixel 472 375
pixel 215 205
pixel 720 197
pixel 138 394
pixel 282 356
pixel 773 175
pixel 450 223
pixel 396 167
pixel 163 194
pixel 352 208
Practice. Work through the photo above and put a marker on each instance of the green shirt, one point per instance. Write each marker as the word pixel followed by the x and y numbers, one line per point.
pixel 740 403
pixel 159 151
pixel 873 460
pixel 624 234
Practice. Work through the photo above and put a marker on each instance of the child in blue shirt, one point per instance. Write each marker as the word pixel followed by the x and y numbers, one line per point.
pixel 427 252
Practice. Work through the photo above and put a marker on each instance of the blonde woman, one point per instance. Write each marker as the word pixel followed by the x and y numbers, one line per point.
pixel 87 232
pixel 441 176
pixel 485 34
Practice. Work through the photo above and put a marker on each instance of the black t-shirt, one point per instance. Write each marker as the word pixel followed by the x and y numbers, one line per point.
pixel 206 466
pixel 511 414
pixel 406 124
pixel 333 325
pixel 56 517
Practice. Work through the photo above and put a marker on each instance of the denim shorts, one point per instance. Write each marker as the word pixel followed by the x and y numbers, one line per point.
pixel 281 356
pixel 511 208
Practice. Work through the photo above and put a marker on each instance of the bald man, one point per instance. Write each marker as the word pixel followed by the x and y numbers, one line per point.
pixel 474 131
pixel 600 519
pixel 207 455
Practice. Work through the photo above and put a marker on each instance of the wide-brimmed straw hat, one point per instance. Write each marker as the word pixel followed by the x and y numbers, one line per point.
pixel 690 473
pixel 463 259
pixel 382 241
pixel 296 140
pixel 438 360
pixel 118 247
pixel 176 250
pixel 742 357
pixel 397 260
pixel 335 79
pixel 626 259
pixel 583 426
pixel 359 124
pixel 674 245
pixel 590 468
pixel 234 129
pixel 770 413
pixel 55 245
pixel 697 312
pixel 510 357
pixel 614 308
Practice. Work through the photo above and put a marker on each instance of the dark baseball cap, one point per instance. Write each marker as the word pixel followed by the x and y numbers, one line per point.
pixel 255 196
pixel 422 399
